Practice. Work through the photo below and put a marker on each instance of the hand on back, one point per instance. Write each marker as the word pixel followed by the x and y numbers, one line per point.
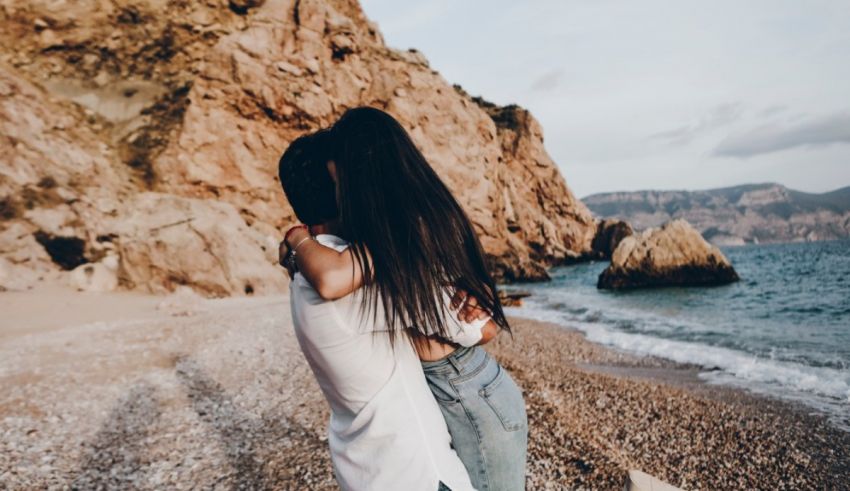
pixel 468 308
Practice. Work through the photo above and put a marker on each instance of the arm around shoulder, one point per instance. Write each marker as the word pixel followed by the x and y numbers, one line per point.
pixel 333 274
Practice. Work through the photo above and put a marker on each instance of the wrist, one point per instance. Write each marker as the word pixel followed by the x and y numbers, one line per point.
pixel 295 234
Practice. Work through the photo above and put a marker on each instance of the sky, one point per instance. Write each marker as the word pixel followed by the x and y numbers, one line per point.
pixel 651 94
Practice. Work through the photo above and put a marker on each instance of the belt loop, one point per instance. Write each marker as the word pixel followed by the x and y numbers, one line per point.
pixel 454 362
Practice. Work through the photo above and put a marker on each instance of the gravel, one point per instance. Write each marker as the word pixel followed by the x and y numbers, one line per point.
pixel 223 399
pixel 587 427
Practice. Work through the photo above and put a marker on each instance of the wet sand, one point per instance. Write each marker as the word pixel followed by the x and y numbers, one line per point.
pixel 111 391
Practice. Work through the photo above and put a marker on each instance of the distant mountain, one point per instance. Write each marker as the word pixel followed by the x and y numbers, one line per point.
pixel 751 213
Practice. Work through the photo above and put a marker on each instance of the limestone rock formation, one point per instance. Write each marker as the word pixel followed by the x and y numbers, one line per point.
pixel 58 180
pixel 540 221
pixel 166 241
pixel 609 234
pixel 105 101
pixel 673 255
pixel 101 276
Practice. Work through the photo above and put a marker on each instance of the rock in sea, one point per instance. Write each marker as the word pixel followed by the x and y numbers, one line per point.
pixel 673 255
pixel 609 234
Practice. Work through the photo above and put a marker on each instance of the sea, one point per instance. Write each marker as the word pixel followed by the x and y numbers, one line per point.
pixel 782 331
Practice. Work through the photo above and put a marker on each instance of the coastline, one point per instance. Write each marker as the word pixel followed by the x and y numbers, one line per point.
pixel 615 410
pixel 188 392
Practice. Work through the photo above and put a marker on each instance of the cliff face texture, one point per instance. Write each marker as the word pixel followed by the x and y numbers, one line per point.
pixel 150 132
pixel 736 215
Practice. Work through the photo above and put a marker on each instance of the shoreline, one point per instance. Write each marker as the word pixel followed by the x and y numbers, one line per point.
pixel 677 411
pixel 184 391
pixel 686 375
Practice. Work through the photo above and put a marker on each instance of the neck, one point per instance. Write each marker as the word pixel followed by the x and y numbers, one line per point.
pixel 331 227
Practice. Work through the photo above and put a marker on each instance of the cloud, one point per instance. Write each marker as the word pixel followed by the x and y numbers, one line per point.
pixel 826 130
pixel 678 136
pixel 719 116
pixel 548 81
pixel 772 111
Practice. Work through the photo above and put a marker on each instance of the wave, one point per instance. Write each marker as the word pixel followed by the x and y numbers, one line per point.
pixel 824 389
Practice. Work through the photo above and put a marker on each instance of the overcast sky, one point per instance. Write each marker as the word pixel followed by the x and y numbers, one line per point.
pixel 650 94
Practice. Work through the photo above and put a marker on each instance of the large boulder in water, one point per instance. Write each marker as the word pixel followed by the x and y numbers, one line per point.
pixel 609 234
pixel 673 255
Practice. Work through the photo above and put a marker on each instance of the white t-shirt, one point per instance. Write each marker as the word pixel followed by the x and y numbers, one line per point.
pixel 463 333
pixel 386 430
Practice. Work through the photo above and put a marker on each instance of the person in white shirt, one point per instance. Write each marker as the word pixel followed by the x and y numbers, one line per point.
pixel 386 430
pixel 482 405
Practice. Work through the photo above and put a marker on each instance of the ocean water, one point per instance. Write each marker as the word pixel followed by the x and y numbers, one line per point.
pixel 783 330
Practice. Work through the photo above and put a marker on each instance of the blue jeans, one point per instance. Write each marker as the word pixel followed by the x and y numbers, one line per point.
pixel 485 413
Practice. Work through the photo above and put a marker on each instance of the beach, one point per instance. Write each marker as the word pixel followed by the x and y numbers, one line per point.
pixel 126 390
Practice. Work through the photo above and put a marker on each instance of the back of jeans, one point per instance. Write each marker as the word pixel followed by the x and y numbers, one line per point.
pixel 486 417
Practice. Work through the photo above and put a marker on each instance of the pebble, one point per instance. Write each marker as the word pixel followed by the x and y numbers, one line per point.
pixel 226 400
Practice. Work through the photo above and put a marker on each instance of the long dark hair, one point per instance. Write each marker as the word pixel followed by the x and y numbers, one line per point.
pixel 308 186
pixel 419 240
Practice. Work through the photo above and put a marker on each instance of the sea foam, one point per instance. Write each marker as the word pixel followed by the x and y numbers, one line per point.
pixel 826 390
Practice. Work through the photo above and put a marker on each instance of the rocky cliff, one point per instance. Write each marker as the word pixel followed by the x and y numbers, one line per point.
pixel 149 131
pixel 736 215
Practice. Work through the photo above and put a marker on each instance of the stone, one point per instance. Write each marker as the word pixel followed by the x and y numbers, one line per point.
pixel 24 262
pixel 242 6
pixel 609 234
pixel 101 276
pixel 15 277
pixel 312 66
pixel 672 255
pixel 513 298
pixel 207 140
pixel 166 241
pixel 56 220
pixel 183 302
pixel 48 38
pixel 288 68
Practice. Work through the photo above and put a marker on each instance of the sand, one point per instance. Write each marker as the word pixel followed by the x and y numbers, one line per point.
pixel 110 391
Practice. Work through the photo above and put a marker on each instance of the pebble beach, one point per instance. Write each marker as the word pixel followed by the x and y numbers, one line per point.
pixel 126 391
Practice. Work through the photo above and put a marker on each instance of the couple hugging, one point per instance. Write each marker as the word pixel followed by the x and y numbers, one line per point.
pixel 391 301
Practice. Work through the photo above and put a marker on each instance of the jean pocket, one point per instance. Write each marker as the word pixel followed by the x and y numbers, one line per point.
pixel 505 399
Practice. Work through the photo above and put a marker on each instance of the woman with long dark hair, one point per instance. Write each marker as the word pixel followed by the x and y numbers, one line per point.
pixel 410 248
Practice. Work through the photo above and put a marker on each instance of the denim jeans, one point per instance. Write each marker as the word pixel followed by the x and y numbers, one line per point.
pixel 485 413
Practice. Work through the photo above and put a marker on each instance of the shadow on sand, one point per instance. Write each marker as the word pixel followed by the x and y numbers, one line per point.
pixel 114 459
pixel 260 452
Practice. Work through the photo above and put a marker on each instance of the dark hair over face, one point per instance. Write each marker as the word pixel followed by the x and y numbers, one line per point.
pixel 305 179
pixel 393 205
